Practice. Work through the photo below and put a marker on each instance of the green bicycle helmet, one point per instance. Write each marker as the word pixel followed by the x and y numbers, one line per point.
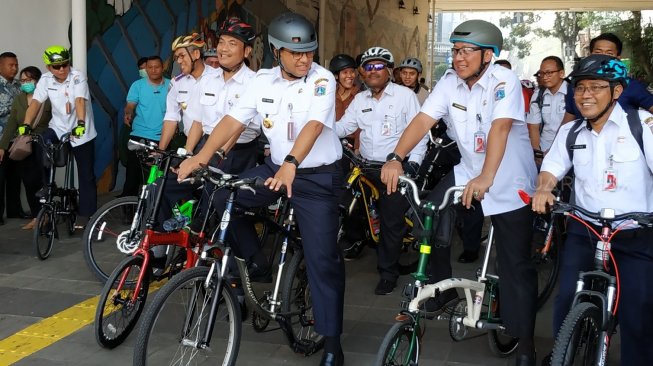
pixel 478 32
pixel 56 55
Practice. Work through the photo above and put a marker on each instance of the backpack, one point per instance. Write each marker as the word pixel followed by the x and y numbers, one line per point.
pixel 634 123
pixel 539 100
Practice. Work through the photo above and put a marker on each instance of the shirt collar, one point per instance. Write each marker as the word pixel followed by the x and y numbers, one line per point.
pixel 561 90
pixel 483 81
pixel 277 73
pixel 389 89
pixel 8 82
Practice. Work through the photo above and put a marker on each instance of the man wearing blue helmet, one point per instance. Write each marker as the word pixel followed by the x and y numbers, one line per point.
pixel 483 108
pixel 613 167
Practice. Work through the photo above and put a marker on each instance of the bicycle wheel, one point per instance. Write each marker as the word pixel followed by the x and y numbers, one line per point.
pixel 296 295
pixel 578 339
pixel 175 322
pixel 107 233
pixel 398 347
pixel 117 311
pixel 547 264
pixel 457 330
pixel 501 344
pixel 45 232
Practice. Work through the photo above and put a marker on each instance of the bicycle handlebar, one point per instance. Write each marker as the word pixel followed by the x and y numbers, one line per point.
pixel 445 200
pixel 229 181
pixel 358 160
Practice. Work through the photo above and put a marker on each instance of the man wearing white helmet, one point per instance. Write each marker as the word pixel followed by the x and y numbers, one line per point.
pixel 296 102
pixel 410 70
pixel 483 107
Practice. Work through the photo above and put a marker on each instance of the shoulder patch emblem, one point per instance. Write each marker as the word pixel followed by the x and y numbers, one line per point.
pixel 500 91
pixel 649 122
pixel 320 87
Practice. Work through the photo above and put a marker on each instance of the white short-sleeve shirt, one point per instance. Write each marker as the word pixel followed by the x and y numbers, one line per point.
pixel 75 86
pixel 382 122
pixel 497 94
pixel 595 152
pixel 279 102
pixel 217 97
pixel 552 113
pixel 182 99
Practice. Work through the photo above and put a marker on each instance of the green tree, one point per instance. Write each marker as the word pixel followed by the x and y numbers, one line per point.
pixel 639 39
pixel 521 25
pixel 440 69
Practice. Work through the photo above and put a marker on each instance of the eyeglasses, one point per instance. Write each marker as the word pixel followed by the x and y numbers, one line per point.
pixel 464 51
pixel 298 55
pixel 546 74
pixel 59 67
pixel 375 67
pixel 594 89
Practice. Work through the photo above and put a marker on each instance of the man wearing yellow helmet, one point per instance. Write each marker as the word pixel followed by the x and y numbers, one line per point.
pixel 67 90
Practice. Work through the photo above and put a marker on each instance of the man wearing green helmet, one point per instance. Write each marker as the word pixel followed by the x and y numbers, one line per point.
pixel 483 108
pixel 67 90
pixel 612 169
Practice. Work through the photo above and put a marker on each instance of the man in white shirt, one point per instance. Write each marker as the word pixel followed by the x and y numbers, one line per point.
pixel 382 112
pixel 484 109
pixel 611 170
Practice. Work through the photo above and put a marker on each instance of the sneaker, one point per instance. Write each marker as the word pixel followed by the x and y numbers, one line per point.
pixel 436 305
pixel 385 287
pixel 354 251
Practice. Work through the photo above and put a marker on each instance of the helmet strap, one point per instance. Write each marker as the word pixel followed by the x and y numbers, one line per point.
pixel 377 91
pixel 277 57
pixel 233 69
pixel 481 68
pixel 606 109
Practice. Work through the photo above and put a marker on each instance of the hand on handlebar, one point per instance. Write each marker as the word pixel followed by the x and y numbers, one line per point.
pixel 188 166
pixel 390 175
pixel 24 129
pixel 541 201
pixel 79 130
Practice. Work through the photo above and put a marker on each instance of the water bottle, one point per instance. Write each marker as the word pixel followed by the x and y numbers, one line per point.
pixel 375 223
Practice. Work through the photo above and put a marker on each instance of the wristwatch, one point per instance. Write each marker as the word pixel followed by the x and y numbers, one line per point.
pixel 393 156
pixel 291 159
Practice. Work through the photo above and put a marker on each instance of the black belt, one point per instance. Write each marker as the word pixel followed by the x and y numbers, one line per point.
pixel 245 145
pixel 329 168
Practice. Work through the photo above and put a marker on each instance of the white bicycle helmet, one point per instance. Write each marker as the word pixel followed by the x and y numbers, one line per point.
pixel 378 53
pixel 413 63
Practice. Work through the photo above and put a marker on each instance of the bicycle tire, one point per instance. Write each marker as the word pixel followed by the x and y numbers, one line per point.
pixel 296 293
pixel 501 344
pixel 45 232
pixel 115 302
pixel 72 220
pixel 548 267
pixel 395 340
pixel 160 339
pixel 581 328
pixel 102 255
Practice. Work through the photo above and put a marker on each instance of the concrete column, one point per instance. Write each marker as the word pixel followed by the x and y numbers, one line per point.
pixel 79 34
pixel 321 33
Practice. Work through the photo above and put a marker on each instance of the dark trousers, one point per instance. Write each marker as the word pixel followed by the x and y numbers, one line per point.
pixel 10 187
pixel 135 171
pixel 85 158
pixel 634 257
pixel 315 201
pixel 513 232
pixel 31 174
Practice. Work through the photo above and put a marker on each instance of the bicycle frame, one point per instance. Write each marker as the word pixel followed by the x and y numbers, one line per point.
pixel 356 177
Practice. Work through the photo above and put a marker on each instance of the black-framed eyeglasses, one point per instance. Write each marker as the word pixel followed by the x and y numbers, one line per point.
pixel 546 74
pixel 594 89
pixel 375 67
pixel 298 55
pixel 464 51
pixel 59 67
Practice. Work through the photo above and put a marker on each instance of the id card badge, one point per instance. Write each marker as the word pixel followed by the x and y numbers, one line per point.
pixel 291 131
pixel 479 142
pixel 69 107
pixel 610 180
pixel 386 126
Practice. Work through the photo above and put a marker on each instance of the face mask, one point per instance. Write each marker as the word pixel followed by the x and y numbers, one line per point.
pixel 28 87
pixel 142 73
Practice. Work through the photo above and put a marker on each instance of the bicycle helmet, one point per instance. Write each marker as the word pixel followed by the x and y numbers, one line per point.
pixel 341 62
pixel 378 53
pixel 413 63
pixel 237 28
pixel 602 67
pixel 478 32
pixel 56 55
pixel 210 52
pixel 193 39
pixel 293 32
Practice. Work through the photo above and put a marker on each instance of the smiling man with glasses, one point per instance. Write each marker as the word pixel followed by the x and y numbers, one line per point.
pixel 548 108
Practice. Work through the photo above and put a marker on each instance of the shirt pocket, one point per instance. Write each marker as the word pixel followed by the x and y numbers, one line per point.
pixel 208 99
pixel 268 108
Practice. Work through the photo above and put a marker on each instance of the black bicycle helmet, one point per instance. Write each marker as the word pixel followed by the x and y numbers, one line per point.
pixel 479 32
pixel 237 28
pixel 602 67
pixel 292 32
pixel 341 62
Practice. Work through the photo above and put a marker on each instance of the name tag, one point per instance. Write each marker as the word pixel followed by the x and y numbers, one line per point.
pixel 183 92
pixel 52 89
pixel 577 147
pixel 461 107
pixel 209 94
pixel 266 100
pixel 366 110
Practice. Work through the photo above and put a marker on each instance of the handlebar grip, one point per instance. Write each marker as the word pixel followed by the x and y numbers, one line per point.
pixel 260 183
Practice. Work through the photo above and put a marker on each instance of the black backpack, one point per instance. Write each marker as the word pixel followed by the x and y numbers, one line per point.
pixel 634 123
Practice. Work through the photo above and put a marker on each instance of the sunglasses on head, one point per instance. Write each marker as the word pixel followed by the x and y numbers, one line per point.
pixel 377 67
pixel 58 67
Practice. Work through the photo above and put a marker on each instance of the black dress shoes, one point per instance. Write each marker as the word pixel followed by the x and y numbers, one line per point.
pixel 331 359
pixel 525 360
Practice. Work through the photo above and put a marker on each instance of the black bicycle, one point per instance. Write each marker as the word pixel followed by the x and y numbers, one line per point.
pixel 57 202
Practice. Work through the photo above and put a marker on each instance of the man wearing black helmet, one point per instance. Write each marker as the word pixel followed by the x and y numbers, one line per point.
pixel 410 70
pixel 483 107
pixel 296 102
pixel 612 170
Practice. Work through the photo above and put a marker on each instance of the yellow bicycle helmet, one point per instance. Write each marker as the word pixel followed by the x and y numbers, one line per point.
pixel 193 39
pixel 56 55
